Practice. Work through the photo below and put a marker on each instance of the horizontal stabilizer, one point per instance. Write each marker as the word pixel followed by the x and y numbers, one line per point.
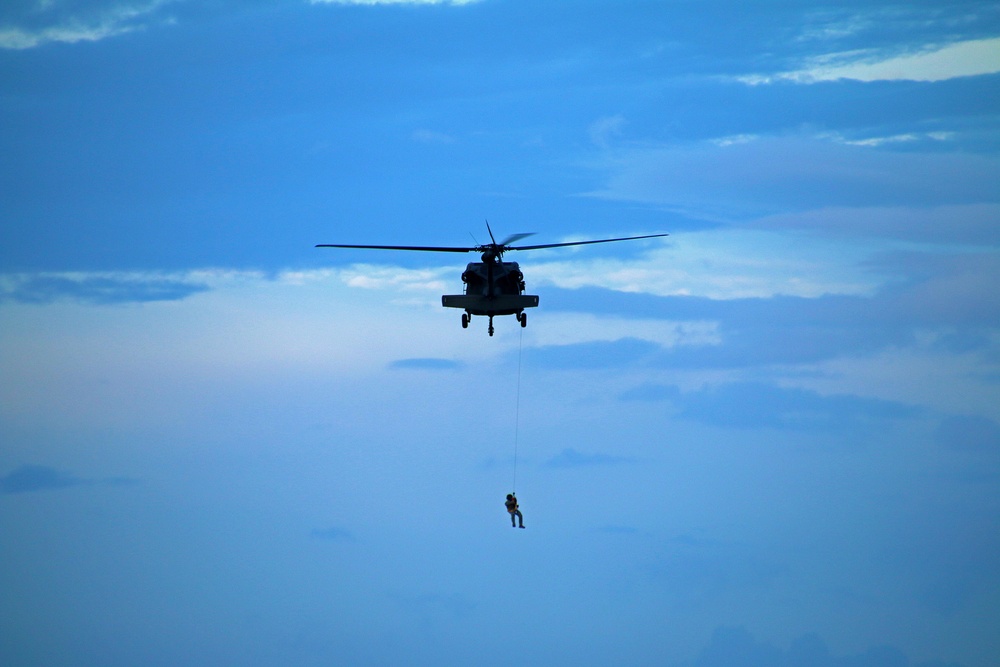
pixel 501 304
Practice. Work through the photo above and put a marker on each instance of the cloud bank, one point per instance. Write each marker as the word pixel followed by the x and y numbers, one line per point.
pixel 937 63
pixel 769 175
pixel 108 288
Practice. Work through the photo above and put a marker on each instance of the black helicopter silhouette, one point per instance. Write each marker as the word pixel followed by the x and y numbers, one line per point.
pixel 492 287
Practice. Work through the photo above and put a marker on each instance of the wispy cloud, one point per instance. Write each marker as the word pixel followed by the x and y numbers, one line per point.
pixel 771 174
pixel 905 138
pixel 593 355
pixel 580 327
pixel 86 22
pixel 425 136
pixel 952 294
pixel 31 478
pixel 937 63
pixel 332 534
pixel 603 130
pixel 723 264
pixel 650 391
pixel 96 288
pixel 973 224
pixel 369 276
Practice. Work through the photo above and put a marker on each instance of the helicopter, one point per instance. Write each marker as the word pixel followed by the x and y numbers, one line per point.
pixel 492 286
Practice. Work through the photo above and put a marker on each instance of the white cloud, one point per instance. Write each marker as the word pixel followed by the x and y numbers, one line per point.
pixel 381 277
pixel 16 38
pixel 738 180
pixel 571 328
pixel 246 322
pixel 906 137
pixel 603 130
pixel 720 264
pixel 70 27
pixel 340 321
pixel 968 58
pixel 734 139
pixel 837 29
pixel 425 136
pixel 900 374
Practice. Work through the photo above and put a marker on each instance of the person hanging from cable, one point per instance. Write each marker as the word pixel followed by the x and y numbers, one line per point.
pixel 514 512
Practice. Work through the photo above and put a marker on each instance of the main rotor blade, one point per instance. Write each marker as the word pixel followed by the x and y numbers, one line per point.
pixel 516 237
pixel 561 245
pixel 397 247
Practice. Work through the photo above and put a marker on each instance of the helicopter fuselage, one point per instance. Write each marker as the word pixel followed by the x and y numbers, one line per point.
pixel 492 287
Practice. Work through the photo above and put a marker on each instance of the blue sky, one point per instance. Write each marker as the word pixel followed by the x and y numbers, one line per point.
pixel 771 438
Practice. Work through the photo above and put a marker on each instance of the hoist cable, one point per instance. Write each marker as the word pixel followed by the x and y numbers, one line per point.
pixel 517 407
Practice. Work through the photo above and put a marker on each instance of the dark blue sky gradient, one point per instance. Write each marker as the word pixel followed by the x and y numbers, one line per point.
pixel 771 438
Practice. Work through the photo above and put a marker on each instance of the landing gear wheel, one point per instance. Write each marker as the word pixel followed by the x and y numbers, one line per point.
pixel 465 320
pixel 523 319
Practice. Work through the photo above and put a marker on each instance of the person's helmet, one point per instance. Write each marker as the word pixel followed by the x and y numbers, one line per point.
pixel 509 496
